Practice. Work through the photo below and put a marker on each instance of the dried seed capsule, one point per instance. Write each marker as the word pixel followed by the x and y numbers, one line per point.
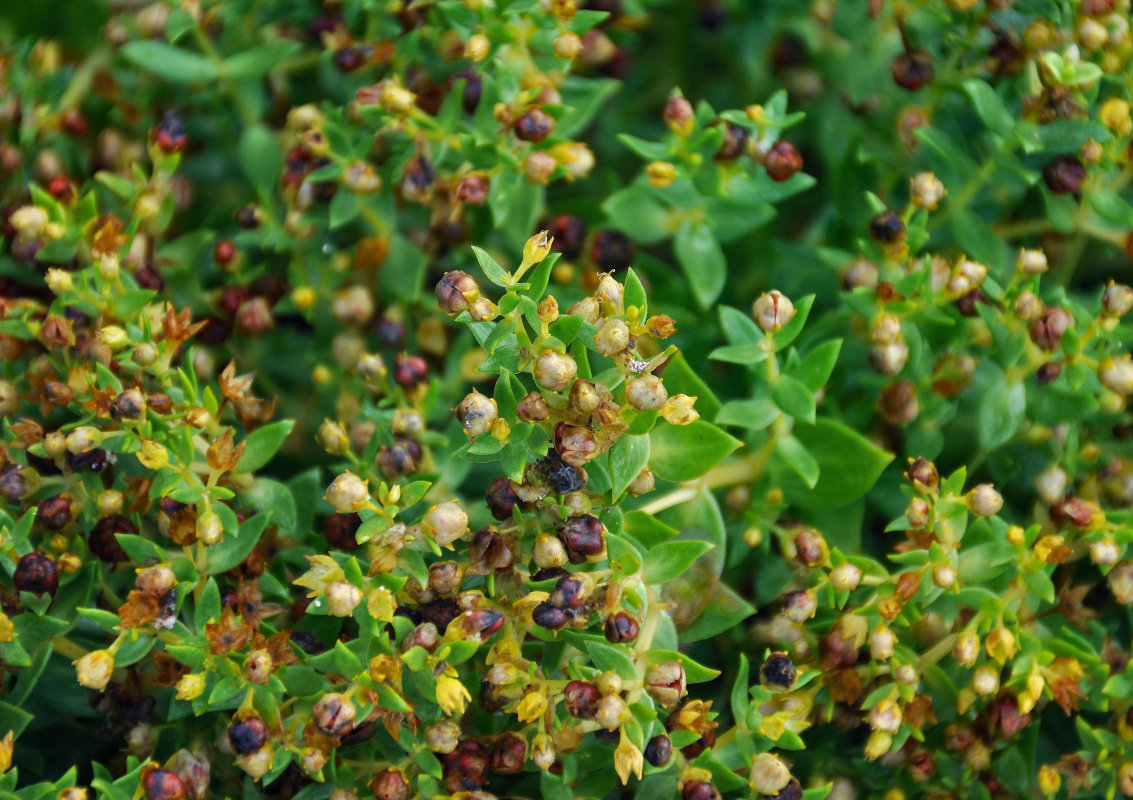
pixel 55 512
pixel 509 752
pixel 666 683
pixel 768 774
pixel 390 784
pixel 456 291
pixel 620 627
pixel 1052 323
pixel 782 161
pixel 575 444
pixel 476 413
pixel 334 714
pixel 501 498
pixel 129 406
pixel 562 477
pixel 445 522
pixel 733 144
pixel 584 398
pixel 583 537
pixel 532 408
pixel 534 126
pixel 887 228
pixel 36 573
pixel 912 69
pixel 778 671
pixel 1064 174
pixel 923 475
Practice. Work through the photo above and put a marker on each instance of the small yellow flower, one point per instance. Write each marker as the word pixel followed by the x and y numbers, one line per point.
pixel 384 668
pixel 94 669
pixel 153 455
pixel 190 686
pixel 451 695
pixel 532 706
pixel 6 628
pixel 323 572
pixel 6 745
pixel 678 410
pixel 627 760
pixel 1000 645
pixel 381 604
pixel 1049 779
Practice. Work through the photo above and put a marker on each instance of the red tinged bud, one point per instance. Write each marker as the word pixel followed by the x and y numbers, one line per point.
pixel 410 370
pixel 161 784
pixel 169 135
pixel 583 537
pixel 581 699
pixel 390 784
pixel 912 69
pixel 1064 174
pixel 36 573
pixel 620 628
pixel 534 126
pixel 782 161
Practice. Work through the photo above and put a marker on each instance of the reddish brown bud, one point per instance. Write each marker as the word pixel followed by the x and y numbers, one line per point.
pixel 620 627
pixel 583 537
pixel 782 161
pixel 36 573
pixel 534 126
pixel 581 698
pixel 1064 174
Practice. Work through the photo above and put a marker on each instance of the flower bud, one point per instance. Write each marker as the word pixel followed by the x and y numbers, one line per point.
pixel 209 529
pixel 584 398
pixel 94 669
pixel 984 501
pixel 1117 299
pixel 390 784
pixel 1116 374
pixel 456 291
pixel 1031 262
pixel 567 45
pixel 348 493
pixel 258 667
pixel 539 166
pixel 1120 582
pixel 768 774
pixel 881 642
pixel 985 680
pixel 782 161
pixel 888 359
pixel 612 710
pixel 161 784
pixel 445 522
pixel 342 597
pixel 644 483
pixel 332 438
pixel 548 552
pixel 646 392
pixel 83 439
pixel 612 336
pixel 926 191
pixel 772 311
pixel 542 751
pixel 660 174
pixel 1105 552
pixel 944 576
pixel 476 413
pixel 532 408
pixel 800 605
pixel 885 716
pixel 555 371
pixel 443 737
pixel 845 577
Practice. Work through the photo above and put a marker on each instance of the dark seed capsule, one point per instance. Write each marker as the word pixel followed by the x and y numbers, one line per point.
pixel 547 616
pixel 887 228
pixel 161 784
pixel 782 161
pixel 620 627
pixel 36 573
pixel 247 736
pixel 534 126
pixel 1064 174
pixel 659 750
pixel 734 143
pixel 778 671
pixel 612 250
pixel 912 69
pixel 581 699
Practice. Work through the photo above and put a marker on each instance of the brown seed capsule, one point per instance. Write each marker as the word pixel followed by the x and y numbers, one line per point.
pixel 334 714
pixel 1047 330
pixel 1064 174
pixel 912 69
pixel 782 161
pixel 699 790
pixel 161 784
pixel 810 547
pixel 55 512
pixel 659 750
pixel 898 403
pixel 128 406
pixel 532 408
pixel 534 126
pixel 575 444
pixel 456 291
pixel 666 683
pixel 509 752
pixel 583 537
pixel 733 144
pixel 923 475
pixel 620 628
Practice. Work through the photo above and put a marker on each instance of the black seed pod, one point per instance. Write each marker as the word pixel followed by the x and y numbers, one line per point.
pixel 778 671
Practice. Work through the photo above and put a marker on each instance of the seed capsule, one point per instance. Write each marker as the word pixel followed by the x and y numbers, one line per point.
pixel 534 126
pixel 36 573
pixel 666 683
pixel 659 750
pixel 646 393
pixel 583 537
pixel 248 735
pixel 620 628
pixel 555 371
pixel 334 714
pixel 476 413
pixel 912 69
pixel 772 311
pixel 778 671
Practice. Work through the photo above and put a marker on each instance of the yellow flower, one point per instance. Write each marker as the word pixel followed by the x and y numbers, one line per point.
pixel 1000 645
pixel 678 410
pixel 323 572
pixel 6 628
pixel 1049 779
pixel 384 668
pixel 451 695
pixel 153 455
pixel 94 669
pixel 6 745
pixel 532 706
pixel 190 686
pixel 381 604
pixel 627 759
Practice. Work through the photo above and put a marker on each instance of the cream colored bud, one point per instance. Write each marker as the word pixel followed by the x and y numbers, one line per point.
pixel 984 500
pixel 881 642
pixel 966 649
pixel 772 311
pixel 209 528
pixel 768 774
pixel 927 191
pixel 944 576
pixel 28 221
pixel 83 439
pixel 612 336
pixel 1116 374
pixel 332 438
pixel 94 669
pixel 59 281
pixel 445 522
pixel 646 393
pixel 1032 262
pixel 348 493
pixel 845 577
pixel 342 598
pixel 109 502
pixel 477 48
pixel 885 716
pixel 567 45
pixel 985 680
pixel 555 371
pixel 476 413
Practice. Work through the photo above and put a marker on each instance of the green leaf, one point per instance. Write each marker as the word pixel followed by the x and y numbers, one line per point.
pixel 1001 412
pixel 344 207
pixel 263 443
pixel 681 378
pixel 1111 206
pixel 13 718
pixel 816 368
pixel 694 672
pixel 849 465
pixel 799 459
pixel 635 293
pixel 684 452
pixel 609 657
pixel 260 156
pixel 792 329
pixel 647 529
pixel 753 414
pixel 738 327
pixel 990 107
pixel 273 496
pixel 739 697
pixel 233 549
pixel 628 457
pixel 636 210
pixel 794 397
pixel 671 559
pixel 139 548
pixel 258 60
pixel 208 607
pixel 492 269
pixel 168 62
pixel 747 354
pixel 702 261
pixel 724 611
